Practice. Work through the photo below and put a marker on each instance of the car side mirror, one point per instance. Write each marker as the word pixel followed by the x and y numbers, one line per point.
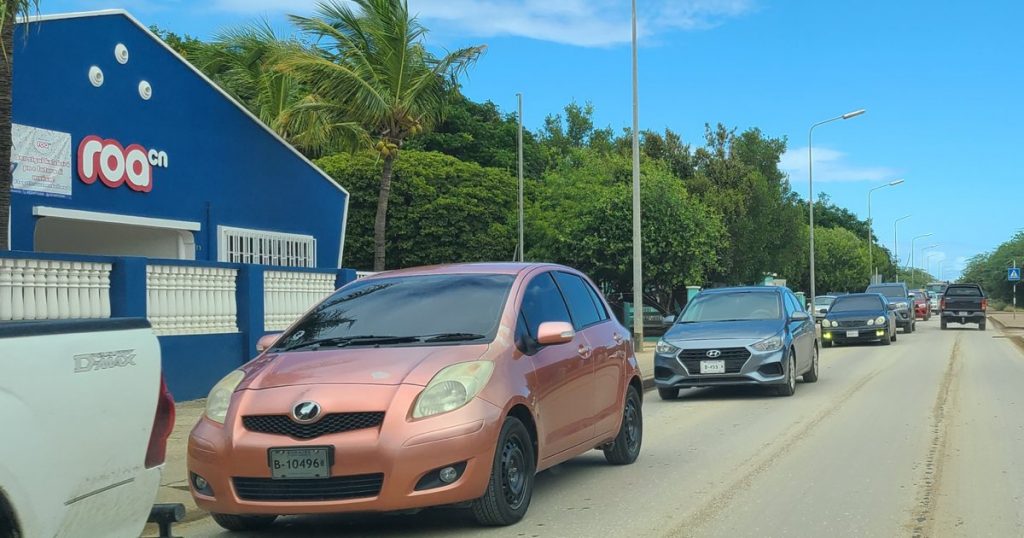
pixel 892 306
pixel 267 341
pixel 800 316
pixel 551 333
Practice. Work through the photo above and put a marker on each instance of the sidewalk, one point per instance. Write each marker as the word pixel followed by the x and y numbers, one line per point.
pixel 1006 320
pixel 174 486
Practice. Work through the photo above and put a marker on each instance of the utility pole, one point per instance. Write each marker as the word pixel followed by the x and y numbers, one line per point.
pixel 522 246
pixel 638 284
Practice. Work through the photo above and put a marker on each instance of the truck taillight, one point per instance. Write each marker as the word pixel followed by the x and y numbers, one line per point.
pixel 163 424
pixel 942 303
pixel 984 304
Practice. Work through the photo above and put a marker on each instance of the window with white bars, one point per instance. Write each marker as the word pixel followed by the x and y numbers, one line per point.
pixel 240 245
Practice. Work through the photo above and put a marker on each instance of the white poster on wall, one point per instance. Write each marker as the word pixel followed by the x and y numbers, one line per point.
pixel 41 161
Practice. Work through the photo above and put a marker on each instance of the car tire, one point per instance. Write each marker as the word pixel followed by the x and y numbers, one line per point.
pixel 668 393
pixel 913 326
pixel 811 376
pixel 513 470
pixel 240 523
pixel 626 447
pixel 887 341
pixel 827 343
pixel 893 337
pixel 981 325
pixel 942 325
pixel 790 387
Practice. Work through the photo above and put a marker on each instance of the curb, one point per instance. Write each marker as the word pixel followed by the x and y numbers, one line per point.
pixel 1017 340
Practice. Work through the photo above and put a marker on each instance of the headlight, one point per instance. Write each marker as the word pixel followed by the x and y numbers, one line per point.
pixel 452 388
pixel 769 344
pixel 220 396
pixel 902 306
pixel 829 323
pixel 880 320
pixel 665 348
pixel 871 322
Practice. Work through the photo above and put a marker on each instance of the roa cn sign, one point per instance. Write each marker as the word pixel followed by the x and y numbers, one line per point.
pixel 115 165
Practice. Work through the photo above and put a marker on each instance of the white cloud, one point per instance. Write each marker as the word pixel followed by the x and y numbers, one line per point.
pixel 586 23
pixel 832 165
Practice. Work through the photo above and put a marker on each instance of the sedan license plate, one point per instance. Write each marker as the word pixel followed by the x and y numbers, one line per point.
pixel 961 313
pixel 300 462
pixel 712 367
pixel 852 334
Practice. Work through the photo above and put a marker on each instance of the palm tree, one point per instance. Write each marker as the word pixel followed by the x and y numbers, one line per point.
pixel 370 80
pixel 9 12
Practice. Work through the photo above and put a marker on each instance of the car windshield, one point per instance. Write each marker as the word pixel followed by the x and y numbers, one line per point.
pixel 966 291
pixel 736 306
pixel 892 292
pixel 407 310
pixel 851 304
pixel 824 301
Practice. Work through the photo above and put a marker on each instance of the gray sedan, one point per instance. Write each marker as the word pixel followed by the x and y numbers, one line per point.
pixel 738 336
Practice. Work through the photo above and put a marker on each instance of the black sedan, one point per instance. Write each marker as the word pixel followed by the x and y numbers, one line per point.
pixel 859 317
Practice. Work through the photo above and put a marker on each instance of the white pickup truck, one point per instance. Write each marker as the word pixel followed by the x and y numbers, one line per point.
pixel 85 416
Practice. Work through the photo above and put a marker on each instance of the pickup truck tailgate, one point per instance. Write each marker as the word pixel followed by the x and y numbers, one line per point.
pixel 78 400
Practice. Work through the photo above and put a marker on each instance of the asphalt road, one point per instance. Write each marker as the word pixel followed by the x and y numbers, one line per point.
pixel 921 438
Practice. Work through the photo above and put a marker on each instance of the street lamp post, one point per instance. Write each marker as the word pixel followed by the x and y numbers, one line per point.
pixel 911 264
pixel 928 262
pixel 638 287
pixel 871 263
pixel 896 243
pixel 923 250
pixel 522 247
pixel 810 181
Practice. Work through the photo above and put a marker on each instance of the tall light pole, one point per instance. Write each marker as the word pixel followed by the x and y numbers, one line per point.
pixel 638 284
pixel 923 250
pixel 810 181
pixel 939 276
pixel 928 262
pixel 896 240
pixel 522 246
pixel 871 263
pixel 911 264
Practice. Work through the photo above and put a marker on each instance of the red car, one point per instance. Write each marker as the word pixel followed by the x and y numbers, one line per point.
pixel 922 306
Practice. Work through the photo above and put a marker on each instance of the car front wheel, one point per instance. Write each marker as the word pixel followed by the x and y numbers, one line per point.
pixel 811 376
pixel 626 447
pixel 510 487
pixel 790 387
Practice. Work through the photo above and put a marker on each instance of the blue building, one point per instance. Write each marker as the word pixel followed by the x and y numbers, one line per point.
pixel 141 189
pixel 124 148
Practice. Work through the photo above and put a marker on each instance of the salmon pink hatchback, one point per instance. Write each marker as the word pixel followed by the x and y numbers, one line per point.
pixel 448 385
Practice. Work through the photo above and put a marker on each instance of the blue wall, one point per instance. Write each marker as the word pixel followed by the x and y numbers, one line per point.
pixel 224 168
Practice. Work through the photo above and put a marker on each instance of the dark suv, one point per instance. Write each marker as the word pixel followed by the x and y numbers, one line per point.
pixel 963 303
pixel 898 294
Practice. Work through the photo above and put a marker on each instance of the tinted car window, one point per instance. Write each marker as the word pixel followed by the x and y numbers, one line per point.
pixel 965 291
pixel 598 303
pixel 581 305
pixel 408 306
pixel 543 302
pixel 892 292
pixel 735 306
pixel 850 304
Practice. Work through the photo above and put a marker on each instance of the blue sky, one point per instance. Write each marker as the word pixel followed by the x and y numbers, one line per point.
pixel 942 83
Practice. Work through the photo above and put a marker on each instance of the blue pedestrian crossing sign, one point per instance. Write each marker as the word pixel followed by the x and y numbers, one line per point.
pixel 1013 274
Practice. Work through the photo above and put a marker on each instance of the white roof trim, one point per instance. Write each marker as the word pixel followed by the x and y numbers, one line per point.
pixel 226 95
pixel 114 218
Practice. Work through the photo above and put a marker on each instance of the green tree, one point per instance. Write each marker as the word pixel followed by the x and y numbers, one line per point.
pixel 187 46
pixel 445 210
pixel 369 77
pixel 841 260
pixel 10 10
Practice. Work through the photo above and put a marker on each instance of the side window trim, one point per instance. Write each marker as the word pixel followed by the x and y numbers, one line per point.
pixel 568 306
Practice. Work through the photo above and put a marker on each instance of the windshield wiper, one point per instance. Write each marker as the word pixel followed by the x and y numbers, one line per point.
pixel 343 341
pixel 451 337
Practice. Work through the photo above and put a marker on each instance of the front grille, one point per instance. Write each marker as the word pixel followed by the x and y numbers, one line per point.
pixel 734 357
pixel 324 489
pixel 332 423
pixel 852 323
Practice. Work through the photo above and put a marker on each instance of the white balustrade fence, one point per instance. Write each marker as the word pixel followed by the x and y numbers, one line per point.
pixel 191 300
pixel 50 289
pixel 287 295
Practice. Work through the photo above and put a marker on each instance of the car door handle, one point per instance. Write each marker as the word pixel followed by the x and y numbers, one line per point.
pixel 585 351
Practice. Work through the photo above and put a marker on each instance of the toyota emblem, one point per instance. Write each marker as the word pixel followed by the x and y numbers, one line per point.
pixel 714 353
pixel 306 412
